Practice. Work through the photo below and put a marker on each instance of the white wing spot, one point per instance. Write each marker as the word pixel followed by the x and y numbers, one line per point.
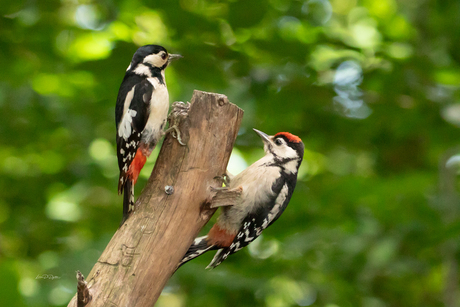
pixel 125 128
pixel 248 238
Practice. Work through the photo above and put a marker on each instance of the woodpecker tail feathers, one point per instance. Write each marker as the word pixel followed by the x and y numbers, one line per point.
pixel 220 256
pixel 128 199
pixel 199 247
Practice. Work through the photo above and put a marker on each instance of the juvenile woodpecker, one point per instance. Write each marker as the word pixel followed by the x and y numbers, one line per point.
pixel 140 115
pixel 267 186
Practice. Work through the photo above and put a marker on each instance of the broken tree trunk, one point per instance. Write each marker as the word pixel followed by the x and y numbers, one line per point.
pixel 145 250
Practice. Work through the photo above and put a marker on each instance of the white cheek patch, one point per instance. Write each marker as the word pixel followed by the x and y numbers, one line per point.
pixel 155 60
pixel 285 151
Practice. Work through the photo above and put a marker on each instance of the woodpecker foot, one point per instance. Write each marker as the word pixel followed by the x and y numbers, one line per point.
pixel 179 112
pixel 225 178
pixel 175 132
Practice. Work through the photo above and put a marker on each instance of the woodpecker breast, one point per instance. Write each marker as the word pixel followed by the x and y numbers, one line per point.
pixel 158 112
pixel 257 181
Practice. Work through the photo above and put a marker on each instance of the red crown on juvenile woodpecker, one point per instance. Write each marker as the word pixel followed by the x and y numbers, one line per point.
pixel 289 136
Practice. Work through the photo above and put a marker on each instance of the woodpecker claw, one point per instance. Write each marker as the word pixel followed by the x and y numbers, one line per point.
pixel 180 111
pixel 224 178
pixel 175 132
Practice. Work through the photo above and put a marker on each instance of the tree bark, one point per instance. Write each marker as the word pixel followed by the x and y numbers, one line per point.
pixel 144 252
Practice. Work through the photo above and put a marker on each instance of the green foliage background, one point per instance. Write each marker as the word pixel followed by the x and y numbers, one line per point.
pixel 371 86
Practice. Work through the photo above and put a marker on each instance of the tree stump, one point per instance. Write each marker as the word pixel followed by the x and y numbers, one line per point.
pixel 144 252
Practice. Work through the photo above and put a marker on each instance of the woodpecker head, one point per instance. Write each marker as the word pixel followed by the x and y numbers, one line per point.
pixel 151 56
pixel 284 146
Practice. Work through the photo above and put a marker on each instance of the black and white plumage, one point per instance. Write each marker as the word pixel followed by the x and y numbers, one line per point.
pixel 267 186
pixel 140 115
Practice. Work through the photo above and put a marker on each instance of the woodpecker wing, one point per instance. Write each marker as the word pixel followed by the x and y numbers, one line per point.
pixel 256 222
pixel 134 109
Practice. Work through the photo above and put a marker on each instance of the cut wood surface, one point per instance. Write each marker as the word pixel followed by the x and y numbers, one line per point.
pixel 144 252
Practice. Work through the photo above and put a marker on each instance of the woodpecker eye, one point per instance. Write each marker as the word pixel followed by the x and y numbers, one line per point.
pixel 164 56
pixel 278 142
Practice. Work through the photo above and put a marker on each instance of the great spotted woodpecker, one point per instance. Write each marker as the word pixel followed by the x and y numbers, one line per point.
pixel 267 186
pixel 140 114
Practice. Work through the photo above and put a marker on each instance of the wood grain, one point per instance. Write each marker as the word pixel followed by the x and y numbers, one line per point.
pixel 144 252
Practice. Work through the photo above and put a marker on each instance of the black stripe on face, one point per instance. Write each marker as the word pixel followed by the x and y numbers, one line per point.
pixel 156 72
pixel 270 149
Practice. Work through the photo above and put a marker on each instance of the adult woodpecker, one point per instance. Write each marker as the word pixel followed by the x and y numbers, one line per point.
pixel 140 115
pixel 267 186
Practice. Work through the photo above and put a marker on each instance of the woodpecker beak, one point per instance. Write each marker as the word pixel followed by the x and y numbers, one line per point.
pixel 263 135
pixel 173 57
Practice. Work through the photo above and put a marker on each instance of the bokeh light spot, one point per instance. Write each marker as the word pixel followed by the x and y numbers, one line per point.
pixel 28 286
pixel 318 11
pixel 236 164
pixel 90 46
pixel 100 149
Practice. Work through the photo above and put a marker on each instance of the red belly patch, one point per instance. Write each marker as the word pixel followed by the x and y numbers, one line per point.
pixel 136 165
pixel 220 237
